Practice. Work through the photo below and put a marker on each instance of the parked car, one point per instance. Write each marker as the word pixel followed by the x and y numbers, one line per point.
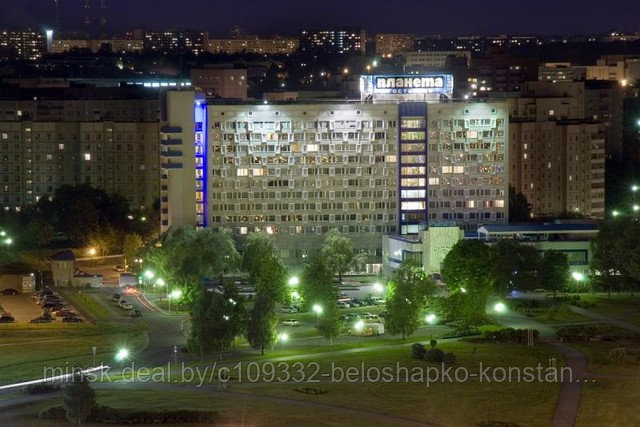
pixel 289 310
pixel 41 319
pixel 350 317
pixel 119 268
pixel 9 291
pixel 291 322
pixel 116 298
pixel 51 306
pixel 125 305
pixel 6 318
pixel 65 312
pixel 71 319
pixel 136 313
pixel 372 318
pixel 343 305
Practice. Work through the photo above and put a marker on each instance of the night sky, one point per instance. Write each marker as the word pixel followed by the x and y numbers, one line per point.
pixel 446 17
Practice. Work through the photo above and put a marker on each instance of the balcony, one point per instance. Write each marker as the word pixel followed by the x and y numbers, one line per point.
pixel 171 165
pixel 170 141
pixel 171 129
pixel 172 153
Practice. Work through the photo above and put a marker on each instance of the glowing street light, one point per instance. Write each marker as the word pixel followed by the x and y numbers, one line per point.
pixel 615 214
pixel 3 233
pixel 160 282
pixel 431 318
pixel 294 281
pixel 122 354
pixel 636 208
pixel 92 251
pixel 359 325
pixel 8 241
pixel 345 70
pixel 577 276
pixel 283 337
pixel 500 307
pixel 175 294
pixel 377 287
pixel 635 188
pixel 463 290
pixel 317 309
pixel 295 295
pixel 148 274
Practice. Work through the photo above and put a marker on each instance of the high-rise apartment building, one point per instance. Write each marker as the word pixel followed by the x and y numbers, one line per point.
pixel 298 170
pixel 557 152
pixel 433 59
pixel 333 41
pixel 107 143
pixel 226 83
pixel 176 41
pixel 391 44
pixel 24 44
pixel 255 45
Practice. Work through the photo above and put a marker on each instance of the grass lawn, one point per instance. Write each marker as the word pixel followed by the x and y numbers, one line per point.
pixel 621 306
pixel 32 348
pixel 599 361
pixel 440 402
pixel 86 302
pixel 556 316
pixel 239 409
pixel 612 402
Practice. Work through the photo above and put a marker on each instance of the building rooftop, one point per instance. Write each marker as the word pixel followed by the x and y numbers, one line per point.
pixel 537 228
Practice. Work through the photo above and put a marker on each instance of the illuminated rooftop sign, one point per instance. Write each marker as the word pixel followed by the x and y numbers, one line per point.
pixel 419 84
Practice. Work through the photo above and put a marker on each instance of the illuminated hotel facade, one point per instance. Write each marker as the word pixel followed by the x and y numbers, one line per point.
pixel 298 170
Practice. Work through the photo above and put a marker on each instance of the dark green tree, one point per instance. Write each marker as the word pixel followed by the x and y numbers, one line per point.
pixel 266 271
pixel 329 322
pixel 554 271
pixel 217 318
pixel 467 272
pixel 338 252
pixel 261 326
pixel 79 400
pixel 318 289
pixel 607 261
pixel 519 207
pixel 406 298
pixel 515 266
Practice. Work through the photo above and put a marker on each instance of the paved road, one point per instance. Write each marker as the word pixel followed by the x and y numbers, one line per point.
pixel 605 319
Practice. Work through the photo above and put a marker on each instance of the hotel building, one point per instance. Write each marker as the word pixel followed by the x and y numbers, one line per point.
pixel 368 168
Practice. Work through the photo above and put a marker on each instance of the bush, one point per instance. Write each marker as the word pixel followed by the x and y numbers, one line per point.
pixel 418 351
pixel 54 413
pixel 508 334
pixel 42 388
pixel 449 359
pixel 433 343
pixel 435 355
pixel 311 390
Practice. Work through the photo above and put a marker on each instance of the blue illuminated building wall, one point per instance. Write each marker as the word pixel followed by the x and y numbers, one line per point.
pixel 413 172
pixel 200 141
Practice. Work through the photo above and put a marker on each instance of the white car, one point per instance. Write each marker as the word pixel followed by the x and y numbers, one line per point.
pixel 125 305
pixel 291 322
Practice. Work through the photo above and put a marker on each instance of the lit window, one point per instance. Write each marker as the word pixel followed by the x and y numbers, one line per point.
pixel 499 204
pixel 434 181
pixel 60 146
pixel 87 156
pixel 242 172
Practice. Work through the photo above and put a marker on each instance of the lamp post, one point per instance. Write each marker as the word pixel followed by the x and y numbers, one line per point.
pixel 317 309
pixel 175 294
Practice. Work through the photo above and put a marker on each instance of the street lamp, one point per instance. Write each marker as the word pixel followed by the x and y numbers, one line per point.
pixel 8 241
pixel 636 208
pixel 122 354
pixel 577 276
pixel 148 274
pixel 317 309
pixel 635 188
pixel 294 281
pixel 377 287
pixel 463 290
pixel 500 307
pixel 175 294
pixel 431 318
pixel 283 337
pixel 615 214
pixel 359 325
pixel 92 251
pixel 3 233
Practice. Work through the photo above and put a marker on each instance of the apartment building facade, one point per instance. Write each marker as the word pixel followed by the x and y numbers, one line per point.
pixel 388 45
pixel 296 171
pixel 111 144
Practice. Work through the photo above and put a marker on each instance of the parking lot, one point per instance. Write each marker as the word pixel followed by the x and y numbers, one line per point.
pixel 21 306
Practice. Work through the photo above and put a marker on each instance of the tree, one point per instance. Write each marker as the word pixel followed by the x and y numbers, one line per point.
pixel 38 233
pixel 554 271
pixel 265 269
pixel 318 289
pixel 79 400
pixel 515 266
pixel 467 272
pixel 261 327
pixel 131 247
pixel 316 283
pixel 406 298
pixel 185 256
pixel 217 317
pixel 519 207
pixel 606 265
pixel 337 251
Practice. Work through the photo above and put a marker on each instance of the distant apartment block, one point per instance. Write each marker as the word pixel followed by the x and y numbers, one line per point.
pixel 391 44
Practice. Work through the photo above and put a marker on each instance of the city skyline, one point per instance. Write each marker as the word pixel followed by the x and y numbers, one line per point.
pixel 372 15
